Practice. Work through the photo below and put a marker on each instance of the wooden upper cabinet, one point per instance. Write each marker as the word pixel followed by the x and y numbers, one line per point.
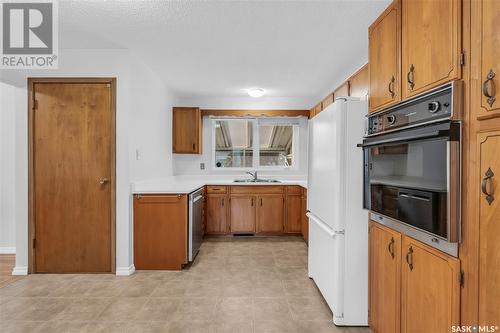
pixel 485 58
pixel 431 44
pixel 216 214
pixel 327 101
pixel 385 58
pixel 243 214
pixel 270 214
pixel 359 85
pixel 186 130
pixel 384 278
pixel 342 91
pixel 489 228
pixel 430 289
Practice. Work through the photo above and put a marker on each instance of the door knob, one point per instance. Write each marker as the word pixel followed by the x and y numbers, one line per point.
pixel 104 181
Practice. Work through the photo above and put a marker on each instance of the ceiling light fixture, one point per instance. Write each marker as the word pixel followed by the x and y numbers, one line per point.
pixel 256 92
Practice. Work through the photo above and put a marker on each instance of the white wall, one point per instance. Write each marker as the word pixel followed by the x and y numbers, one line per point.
pixel 142 116
pixel 7 169
pixel 189 164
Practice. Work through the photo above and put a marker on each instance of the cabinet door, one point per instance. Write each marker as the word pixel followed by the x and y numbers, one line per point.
pixel 243 214
pixel 431 44
pixel 305 219
pixel 160 231
pixel 489 229
pixel 385 58
pixel 430 289
pixel 270 214
pixel 216 214
pixel 293 214
pixel 186 130
pixel 384 279
pixel 485 57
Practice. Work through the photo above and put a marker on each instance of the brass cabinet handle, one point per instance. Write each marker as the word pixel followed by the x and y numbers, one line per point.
pixel 390 247
pixel 391 87
pixel 488 177
pixel 104 181
pixel 409 258
pixel 410 77
pixel 194 146
pixel 261 202
pixel 252 202
pixel 222 202
pixel 490 96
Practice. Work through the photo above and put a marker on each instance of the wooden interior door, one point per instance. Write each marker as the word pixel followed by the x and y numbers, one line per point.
pixel 72 180
pixel 270 215
pixel 385 58
pixel 430 299
pixel 385 279
pixel 216 214
pixel 243 214
pixel 489 229
pixel 485 57
pixel 431 44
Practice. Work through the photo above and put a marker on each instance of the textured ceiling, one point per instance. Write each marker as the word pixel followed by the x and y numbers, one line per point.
pixel 206 49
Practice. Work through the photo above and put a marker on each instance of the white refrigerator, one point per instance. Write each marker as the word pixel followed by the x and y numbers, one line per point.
pixel 338 225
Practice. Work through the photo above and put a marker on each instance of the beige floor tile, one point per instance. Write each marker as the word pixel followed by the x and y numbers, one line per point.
pixel 107 288
pixel 188 326
pixel 309 308
pixel 237 287
pixel 84 309
pixel 196 308
pixel 43 309
pixel 171 288
pixel 227 326
pixel 234 309
pixel 123 308
pixel 268 288
pixel 158 309
pixel 19 326
pixel 63 326
pixel 301 287
pixel 275 326
pixel 139 288
pixel 270 308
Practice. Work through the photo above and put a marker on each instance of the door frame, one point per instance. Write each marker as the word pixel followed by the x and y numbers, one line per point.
pixel 31 162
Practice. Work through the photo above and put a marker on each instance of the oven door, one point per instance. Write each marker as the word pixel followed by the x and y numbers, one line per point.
pixel 413 176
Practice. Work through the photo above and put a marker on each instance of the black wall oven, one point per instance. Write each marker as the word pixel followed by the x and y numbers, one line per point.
pixel 412 167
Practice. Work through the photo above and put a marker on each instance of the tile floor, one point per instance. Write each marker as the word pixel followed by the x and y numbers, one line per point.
pixel 235 285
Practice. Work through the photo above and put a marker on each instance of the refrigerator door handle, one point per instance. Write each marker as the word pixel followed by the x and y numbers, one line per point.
pixel 332 233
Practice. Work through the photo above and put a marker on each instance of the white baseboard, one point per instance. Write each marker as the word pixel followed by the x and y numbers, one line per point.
pixel 8 250
pixel 20 270
pixel 125 271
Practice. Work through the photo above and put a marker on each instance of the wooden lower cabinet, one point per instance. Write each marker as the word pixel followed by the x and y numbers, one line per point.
pixel 413 288
pixel 216 214
pixel 293 222
pixel 270 214
pixel 242 214
pixel 489 229
pixel 430 289
pixel 160 231
pixel 384 279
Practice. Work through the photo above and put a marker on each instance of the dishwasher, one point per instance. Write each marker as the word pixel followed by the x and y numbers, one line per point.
pixel 195 234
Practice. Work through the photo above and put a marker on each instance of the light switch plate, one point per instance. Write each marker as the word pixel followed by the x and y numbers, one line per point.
pixel 202 166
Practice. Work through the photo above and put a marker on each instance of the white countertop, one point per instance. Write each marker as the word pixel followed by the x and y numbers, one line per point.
pixel 188 184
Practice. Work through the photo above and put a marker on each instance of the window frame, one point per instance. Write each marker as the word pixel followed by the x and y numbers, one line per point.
pixel 256 121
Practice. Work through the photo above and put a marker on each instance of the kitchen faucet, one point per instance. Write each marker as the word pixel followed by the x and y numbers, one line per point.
pixel 253 174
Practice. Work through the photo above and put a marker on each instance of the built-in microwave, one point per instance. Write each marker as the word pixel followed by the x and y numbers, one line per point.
pixel 412 168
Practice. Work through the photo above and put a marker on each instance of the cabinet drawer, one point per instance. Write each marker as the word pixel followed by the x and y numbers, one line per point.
pixel 252 189
pixel 215 189
pixel 294 190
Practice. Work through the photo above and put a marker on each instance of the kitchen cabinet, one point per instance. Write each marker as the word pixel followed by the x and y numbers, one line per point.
pixel 431 44
pixel 430 289
pixel 270 213
pixel 384 54
pixel 186 130
pixel 342 91
pixel 243 214
pixel 489 228
pixel 216 214
pixel 384 279
pixel 485 58
pixel 359 83
pixel 305 219
pixel 293 222
pixel 160 231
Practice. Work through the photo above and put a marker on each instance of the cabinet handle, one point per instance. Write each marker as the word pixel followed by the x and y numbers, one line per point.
pixel 390 247
pixel 222 202
pixel 488 177
pixel 410 77
pixel 391 87
pixel 486 85
pixel 261 202
pixel 194 146
pixel 252 202
pixel 409 258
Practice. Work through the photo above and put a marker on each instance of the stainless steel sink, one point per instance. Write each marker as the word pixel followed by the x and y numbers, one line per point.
pixel 256 181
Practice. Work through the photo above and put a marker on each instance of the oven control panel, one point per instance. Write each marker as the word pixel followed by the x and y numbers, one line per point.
pixel 431 107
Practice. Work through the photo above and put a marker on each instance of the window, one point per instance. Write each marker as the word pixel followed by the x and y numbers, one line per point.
pixel 255 143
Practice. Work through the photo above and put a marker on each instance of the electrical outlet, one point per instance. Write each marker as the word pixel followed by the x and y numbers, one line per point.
pixel 202 166
pixel 137 154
